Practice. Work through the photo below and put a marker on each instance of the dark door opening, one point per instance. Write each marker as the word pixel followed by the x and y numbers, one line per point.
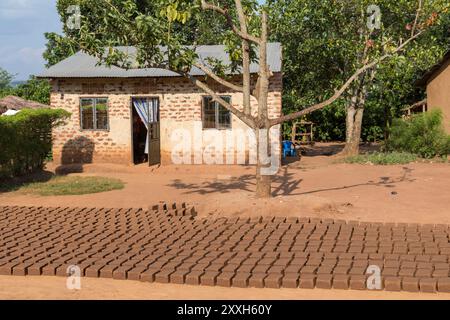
pixel 146 131
pixel 139 139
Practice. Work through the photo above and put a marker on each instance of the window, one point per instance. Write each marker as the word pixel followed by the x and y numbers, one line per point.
pixel 215 116
pixel 94 113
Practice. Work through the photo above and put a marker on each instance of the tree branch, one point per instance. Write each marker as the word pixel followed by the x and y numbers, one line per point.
pixel 220 80
pixel 247 119
pixel 416 20
pixel 225 13
pixel 124 19
pixel 246 78
pixel 347 84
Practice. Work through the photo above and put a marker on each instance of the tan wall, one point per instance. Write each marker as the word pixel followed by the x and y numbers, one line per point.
pixel 438 92
pixel 180 107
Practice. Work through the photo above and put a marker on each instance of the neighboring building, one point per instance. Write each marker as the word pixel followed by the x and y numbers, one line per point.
pixel 111 108
pixel 11 104
pixel 437 83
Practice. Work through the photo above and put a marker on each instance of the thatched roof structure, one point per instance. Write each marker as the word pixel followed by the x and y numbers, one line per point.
pixel 16 103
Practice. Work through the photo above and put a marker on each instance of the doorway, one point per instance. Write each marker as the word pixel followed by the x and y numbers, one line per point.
pixel 146 131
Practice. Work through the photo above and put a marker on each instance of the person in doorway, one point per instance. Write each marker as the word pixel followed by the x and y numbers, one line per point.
pixel 140 138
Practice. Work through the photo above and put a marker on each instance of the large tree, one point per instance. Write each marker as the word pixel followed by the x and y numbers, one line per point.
pixel 33 89
pixel 246 39
pixel 5 78
pixel 203 30
pixel 326 41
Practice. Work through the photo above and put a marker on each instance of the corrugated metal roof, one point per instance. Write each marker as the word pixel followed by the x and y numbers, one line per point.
pixel 82 65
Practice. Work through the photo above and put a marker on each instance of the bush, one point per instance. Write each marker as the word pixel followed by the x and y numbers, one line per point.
pixel 34 89
pixel 383 158
pixel 422 135
pixel 26 140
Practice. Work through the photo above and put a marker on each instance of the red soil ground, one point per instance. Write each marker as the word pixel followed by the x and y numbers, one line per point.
pixel 40 287
pixel 317 186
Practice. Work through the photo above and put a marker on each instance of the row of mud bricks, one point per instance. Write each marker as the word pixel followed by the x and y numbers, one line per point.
pixel 173 209
pixel 168 243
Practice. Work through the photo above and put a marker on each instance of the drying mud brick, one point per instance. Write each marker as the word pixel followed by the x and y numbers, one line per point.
pixel 257 280
pixel 168 244
pixel 341 282
pixel 224 279
pixel 290 280
pixel 358 282
pixel 428 285
pixel 307 281
pixel 443 285
pixel 393 283
pixel 410 284
pixel 273 280
pixel 324 281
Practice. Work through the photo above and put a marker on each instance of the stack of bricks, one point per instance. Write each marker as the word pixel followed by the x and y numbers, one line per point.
pixel 168 244
pixel 172 209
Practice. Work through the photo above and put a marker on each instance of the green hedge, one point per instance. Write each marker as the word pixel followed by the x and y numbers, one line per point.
pixel 422 134
pixel 26 140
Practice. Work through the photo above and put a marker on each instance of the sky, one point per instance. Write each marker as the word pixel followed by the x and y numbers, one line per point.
pixel 22 42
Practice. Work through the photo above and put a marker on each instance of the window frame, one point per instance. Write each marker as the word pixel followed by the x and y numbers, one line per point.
pixel 216 113
pixel 94 114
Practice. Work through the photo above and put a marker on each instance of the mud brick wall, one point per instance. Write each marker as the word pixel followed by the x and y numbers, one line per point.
pixel 180 108
pixel 438 93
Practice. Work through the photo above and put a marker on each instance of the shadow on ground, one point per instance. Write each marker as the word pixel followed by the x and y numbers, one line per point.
pixel 322 150
pixel 284 184
pixel 329 150
pixel 15 184
pixel 386 182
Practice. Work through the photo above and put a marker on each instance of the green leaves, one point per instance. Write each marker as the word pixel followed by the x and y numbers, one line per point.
pixel 26 140
pixel 34 89
pixel 423 135
pixel 5 78
pixel 145 24
pixel 323 46
pixel 173 14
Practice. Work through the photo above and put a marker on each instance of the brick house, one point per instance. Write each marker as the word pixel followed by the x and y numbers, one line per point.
pixel 140 115
pixel 437 83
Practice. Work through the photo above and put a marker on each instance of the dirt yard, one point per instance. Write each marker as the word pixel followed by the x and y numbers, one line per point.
pixel 55 288
pixel 317 186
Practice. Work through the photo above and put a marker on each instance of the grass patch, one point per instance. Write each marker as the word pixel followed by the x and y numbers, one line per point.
pixel 66 185
pixel 383 158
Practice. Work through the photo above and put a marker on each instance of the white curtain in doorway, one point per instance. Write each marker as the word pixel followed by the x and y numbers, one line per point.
pixel 147 109
pixel 142 109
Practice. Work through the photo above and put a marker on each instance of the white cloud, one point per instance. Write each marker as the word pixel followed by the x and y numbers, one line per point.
pixel 26 55
pixel 22 41
pixel 16 9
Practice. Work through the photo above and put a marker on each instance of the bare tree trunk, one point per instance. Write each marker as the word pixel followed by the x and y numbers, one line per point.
pixel 354 117
pixel 263 182
pixel 263 186
pixel 353 130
